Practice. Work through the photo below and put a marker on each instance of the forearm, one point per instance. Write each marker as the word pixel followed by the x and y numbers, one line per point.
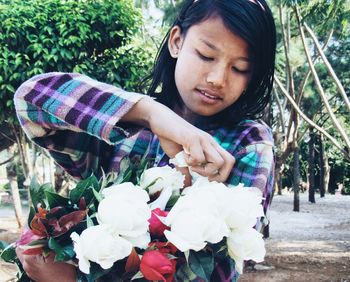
pixel 59 101
pixel 141 112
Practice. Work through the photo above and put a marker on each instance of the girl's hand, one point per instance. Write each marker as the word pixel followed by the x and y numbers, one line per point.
pixel 46 269
pixel 203 154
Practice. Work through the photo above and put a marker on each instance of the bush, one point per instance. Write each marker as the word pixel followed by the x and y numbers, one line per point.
pixel 86 36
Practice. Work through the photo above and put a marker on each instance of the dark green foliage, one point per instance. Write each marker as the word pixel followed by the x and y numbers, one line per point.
pixel 86 36
pixel 202 264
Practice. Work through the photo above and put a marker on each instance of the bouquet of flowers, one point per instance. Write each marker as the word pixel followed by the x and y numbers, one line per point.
pixel 142 224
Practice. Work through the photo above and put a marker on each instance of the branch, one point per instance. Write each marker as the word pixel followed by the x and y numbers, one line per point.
pixel 280 109
pixel 5 162
pixel 286 51
pixel 319 86
pixel 306 77
pixel 309 121
pixel 328 66
pixel 7 137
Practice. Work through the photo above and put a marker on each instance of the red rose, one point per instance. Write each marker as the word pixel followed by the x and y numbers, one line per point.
pixel 156 266
pixel 156 227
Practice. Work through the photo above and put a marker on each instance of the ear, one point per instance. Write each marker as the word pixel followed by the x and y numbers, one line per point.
pixel 175 41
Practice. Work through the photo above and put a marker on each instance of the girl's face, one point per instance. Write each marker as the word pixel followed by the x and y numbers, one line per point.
pixel 213 66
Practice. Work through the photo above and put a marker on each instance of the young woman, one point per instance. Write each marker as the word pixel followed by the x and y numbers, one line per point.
pixel 212 78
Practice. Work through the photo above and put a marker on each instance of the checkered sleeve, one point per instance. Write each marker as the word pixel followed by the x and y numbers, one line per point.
pixel 58 101
pixel 75 117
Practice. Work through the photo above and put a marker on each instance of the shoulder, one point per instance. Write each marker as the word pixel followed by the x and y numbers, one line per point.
pixel 253 132
pixel 244 134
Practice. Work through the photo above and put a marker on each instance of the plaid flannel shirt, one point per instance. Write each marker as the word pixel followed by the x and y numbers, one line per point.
pixel 78 120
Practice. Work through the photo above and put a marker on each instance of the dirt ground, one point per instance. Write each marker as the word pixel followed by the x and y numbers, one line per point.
pixel 312 245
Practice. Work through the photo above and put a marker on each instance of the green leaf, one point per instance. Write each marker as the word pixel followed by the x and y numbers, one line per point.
pixel 3 245
pixel 124 169
pixel 34 190
pixel 39 242
pixel 202 264
pixel 97 195
pixel 22 277
pixel 37 193
pixel 31 215
pixel 55 199
pixel 184 273
pixel 9 253
pixel 96 272
pixel 152 183
pixel 219 250
pixel 82 189
pixel 127 176
pixel 89 221
pixel 62 253
pixel 172 201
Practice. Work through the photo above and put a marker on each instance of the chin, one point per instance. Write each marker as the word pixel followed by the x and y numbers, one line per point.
pixel 206 113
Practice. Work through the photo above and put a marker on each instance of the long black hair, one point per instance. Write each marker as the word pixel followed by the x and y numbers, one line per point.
pixel 251 20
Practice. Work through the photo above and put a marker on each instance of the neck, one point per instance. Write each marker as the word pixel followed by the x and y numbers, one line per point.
pixel 187 114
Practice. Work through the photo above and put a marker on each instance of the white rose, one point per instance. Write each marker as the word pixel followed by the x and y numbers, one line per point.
pixel 179 161
pixel 162 177
pixel 97 244
pixel 192 228
pixel 245 244
pixel 124 190
pixel 125 209
pixel 243 206
pixel 140 241
pixel 162 199
pixel 196 219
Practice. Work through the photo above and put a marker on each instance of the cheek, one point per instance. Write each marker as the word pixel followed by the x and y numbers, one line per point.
pixel 187 72
pixel 236 89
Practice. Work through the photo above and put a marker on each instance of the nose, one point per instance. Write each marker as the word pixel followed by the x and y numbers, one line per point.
pixel 217 76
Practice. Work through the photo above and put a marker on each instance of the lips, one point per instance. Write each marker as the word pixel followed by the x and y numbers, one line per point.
pixel 210 94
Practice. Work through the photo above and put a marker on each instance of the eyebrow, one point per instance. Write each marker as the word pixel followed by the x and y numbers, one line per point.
pixel 212 46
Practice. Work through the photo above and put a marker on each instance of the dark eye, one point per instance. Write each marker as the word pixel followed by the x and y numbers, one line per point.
pixel 204 58
pixel 235 69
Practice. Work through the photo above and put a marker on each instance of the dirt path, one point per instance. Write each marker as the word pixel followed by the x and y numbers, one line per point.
pixel 310 246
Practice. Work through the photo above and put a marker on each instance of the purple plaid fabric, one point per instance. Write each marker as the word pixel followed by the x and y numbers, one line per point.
pixel 78 120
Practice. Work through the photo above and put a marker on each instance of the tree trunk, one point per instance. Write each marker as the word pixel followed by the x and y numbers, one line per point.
pixel 278 178
pixel 311 167
pixel 322 168
pixel 19 141
pixel 296 179
pixel 326 168
pixel 12 178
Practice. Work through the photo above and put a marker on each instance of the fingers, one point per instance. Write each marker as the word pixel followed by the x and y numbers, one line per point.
pixel 29 262
pixel 226 167
pixel 19 253
pixel 40 268
pixel 202 153
pixel 194 154
pixel 208 158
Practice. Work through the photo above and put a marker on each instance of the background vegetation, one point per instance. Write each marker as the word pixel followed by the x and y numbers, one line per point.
pixel 111 41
